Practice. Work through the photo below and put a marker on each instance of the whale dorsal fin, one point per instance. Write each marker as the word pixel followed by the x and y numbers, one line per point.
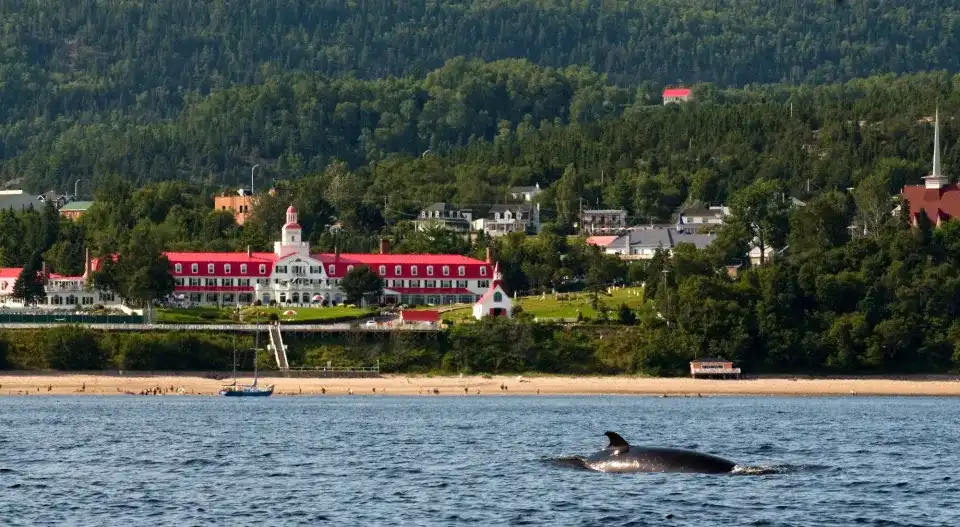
pixel 617 443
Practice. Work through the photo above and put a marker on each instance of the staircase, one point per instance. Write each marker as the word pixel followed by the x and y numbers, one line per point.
pixel 279 349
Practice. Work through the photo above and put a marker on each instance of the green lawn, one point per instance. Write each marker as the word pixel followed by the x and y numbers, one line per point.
pixel 562 306
pixel 304 315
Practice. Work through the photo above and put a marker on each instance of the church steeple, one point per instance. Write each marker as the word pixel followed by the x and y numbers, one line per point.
pixel 936 179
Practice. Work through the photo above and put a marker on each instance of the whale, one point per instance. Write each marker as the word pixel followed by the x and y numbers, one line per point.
pixel 622 457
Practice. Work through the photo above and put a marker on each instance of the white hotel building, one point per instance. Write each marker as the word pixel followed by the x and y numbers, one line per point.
pixel 290 275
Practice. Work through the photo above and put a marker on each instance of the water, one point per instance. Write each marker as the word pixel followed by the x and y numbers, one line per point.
pixel 472 460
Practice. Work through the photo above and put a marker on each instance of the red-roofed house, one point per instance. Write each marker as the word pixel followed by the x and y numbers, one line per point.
pixel 62 291
pixel 937 197
pixel 677 95
pixel 428 316
pixel 495 302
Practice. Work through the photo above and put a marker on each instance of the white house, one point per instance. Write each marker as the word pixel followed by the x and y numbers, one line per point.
pixel 504 219
pixel 525 193
pixel 495 302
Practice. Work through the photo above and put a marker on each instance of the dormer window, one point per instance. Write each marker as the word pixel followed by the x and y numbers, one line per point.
pixel 398 270
pixel 446 270
pixel 413 270
pixel 243 268
pixel 331 269
pixel 429 270
pixel 483 270
pixel 349 268
pixel 461 270
pixel 194 268
pixel 226 268
pixel 211 268
pixel 178 268
pixel 383 270
pixel 263 268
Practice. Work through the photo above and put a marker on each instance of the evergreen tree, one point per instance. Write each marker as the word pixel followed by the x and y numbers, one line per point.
pixel 28 287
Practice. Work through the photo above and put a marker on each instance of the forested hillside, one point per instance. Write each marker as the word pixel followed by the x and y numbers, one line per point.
pixel 143 84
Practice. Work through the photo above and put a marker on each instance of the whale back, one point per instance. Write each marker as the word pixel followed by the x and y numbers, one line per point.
pixel 620 456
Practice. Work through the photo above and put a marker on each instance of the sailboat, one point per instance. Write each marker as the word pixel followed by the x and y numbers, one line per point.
pixel 246 390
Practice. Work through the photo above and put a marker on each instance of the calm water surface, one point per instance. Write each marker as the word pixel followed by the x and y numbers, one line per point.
pixel 472 460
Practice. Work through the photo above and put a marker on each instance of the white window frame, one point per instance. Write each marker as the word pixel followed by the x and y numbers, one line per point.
pixel 243 268
pixel 178 268
pixel 263 268
pixel 331 269
pixel 349 268
pixel 383 270
pixel 429 270
pixel 461 270
pixel 226 268
pixel 446 270
pixel 398 270
pixel 211 268
pixel 194 268
pixel 413 270
pixel 483 270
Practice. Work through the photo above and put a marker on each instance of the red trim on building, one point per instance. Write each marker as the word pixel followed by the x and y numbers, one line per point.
pixel 428 291
pixel 676 92
pixel 420 316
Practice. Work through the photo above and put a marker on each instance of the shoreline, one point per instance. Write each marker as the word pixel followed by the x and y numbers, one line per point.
pixel 40 383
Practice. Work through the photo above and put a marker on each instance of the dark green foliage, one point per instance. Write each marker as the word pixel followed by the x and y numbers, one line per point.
pixel 71 348
pixel 28 288
pixel 361 283
pixel 626 315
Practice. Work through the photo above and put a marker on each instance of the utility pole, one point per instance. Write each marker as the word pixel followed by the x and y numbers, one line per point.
pixel 580 216
pixel 252 170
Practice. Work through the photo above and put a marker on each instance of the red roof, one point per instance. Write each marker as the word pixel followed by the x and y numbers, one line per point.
pixel 420 316
pixel 942 204
pixel 292 226
pixel 601 241
pixel 10 272
pixel 676 92
pixel 472 268
pixel 291 210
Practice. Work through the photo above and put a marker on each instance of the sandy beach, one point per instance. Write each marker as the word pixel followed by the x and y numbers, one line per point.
pixel 195 384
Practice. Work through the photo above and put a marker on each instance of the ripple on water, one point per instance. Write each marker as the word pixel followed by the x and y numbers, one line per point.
pixel 496 461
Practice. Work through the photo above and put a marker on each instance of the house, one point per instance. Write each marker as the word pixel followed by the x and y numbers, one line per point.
pixel 292 275
pixel 75 209
pixel 240 204
pixel 601 241
pixel 525 193
pixel 16 200
pixel 677 95
pixel 602 221
pixel 61 291
pixel 495 302
pixel 52 196
pixel 504 219
pixel 713 368
pixel 710 215
pixel 643 243
pixel 769 255
pixel 937 197
pixel 445 216
pixel 429 317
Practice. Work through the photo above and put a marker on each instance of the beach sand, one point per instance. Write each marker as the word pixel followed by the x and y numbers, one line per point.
pixel 195 384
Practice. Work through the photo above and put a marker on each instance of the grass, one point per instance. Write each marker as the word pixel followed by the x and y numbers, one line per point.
pixel 564 306
pixel 304 315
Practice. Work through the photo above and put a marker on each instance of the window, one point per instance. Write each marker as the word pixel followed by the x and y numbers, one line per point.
pixel 497 297
pixel 383 270
pixel 243 268
pixel 244 282
pixel 315 269
pixel 446 283
pixel 226 268
pixel 349 268
pixel 263 268
pixel 446 270
pixel 414 283
pixel 194 282
pixel 429 270
pixel 483 283
pixel 398 283
pixel 178 268
pixel 430 283
pixel 179 281
pixel 461 271
pixel 461 283
pixel 281 269
pixel 413 270
pixel 194 268
pixel 210 282
pixel 228 282
pixel 483 270
pixel 331 269
pixel 211 268
pixel 398 270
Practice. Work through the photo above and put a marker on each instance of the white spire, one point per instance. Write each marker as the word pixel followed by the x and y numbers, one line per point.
pixel 936 179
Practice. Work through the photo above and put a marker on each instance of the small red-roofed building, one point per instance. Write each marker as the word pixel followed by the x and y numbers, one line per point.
pixel 938 198
pixel 677 95
pixel 495 302
pixel 426 316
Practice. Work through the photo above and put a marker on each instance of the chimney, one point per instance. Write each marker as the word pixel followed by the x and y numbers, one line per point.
pixel 86 263
pixel 489 255
pixel 44 272
pixel 384 246
pixel 249 252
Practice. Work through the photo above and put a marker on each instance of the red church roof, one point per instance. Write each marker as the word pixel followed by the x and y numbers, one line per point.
pixel 676 92
pixel 942 204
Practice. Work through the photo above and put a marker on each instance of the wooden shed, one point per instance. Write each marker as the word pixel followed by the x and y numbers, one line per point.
pixel 713 368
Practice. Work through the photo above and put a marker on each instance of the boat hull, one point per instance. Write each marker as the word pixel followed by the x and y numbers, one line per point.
pixel 247 393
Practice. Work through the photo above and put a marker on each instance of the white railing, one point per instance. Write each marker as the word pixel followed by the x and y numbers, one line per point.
pixel 714 371
pixel 279 349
